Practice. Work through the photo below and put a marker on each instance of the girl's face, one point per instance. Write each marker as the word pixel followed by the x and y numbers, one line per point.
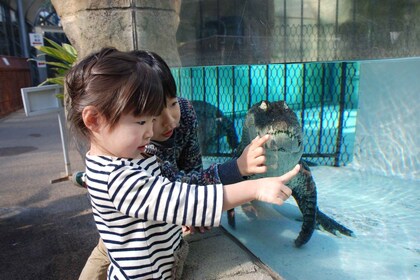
pixel 127 138
pixel 167 121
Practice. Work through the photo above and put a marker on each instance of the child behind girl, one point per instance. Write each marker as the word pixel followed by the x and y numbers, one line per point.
pixel 113 100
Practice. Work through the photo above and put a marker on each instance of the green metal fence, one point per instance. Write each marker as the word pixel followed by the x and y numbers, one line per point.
pixel 323 95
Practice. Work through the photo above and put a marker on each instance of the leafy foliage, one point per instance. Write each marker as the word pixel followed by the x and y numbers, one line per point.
pixel 66 56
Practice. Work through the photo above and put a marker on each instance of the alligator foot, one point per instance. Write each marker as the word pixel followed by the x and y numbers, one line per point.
pixel 231 218
pixel 249 210
pixel 328 224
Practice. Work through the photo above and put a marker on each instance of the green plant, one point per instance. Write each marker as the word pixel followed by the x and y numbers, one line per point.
pixel 65 56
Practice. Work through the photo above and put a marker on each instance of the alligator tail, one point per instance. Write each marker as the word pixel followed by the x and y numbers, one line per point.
pixel 308 208
pixel 305 196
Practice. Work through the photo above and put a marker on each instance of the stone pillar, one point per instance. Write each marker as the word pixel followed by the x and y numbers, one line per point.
pixel 123 24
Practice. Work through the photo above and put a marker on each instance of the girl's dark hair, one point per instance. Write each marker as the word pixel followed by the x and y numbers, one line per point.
pixel 115 83
pixel 159 65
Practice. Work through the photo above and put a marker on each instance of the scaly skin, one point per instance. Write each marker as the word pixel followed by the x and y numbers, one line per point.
pixel 304 192
pixel 283 151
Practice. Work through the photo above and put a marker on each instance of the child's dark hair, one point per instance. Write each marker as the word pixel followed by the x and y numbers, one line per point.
pixel 115 83
pixel 163 70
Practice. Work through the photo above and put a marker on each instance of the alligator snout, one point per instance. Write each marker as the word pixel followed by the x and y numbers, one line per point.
pixel 283 143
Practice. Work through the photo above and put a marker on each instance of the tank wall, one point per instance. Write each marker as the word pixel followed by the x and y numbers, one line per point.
pixel 387 131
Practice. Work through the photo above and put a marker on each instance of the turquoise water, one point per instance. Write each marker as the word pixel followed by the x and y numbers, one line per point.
pixel 323 95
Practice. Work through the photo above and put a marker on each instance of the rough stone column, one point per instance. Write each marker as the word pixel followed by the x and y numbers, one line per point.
pixel 123 24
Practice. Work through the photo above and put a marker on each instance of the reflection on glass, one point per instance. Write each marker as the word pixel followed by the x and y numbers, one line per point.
pixel 273 31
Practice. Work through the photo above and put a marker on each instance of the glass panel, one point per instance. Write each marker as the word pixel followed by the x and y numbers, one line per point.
pixel 213 32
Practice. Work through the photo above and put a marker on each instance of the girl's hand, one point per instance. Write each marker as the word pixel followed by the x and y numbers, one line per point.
pixel 274 189
pixel 270 189
pixel 252 159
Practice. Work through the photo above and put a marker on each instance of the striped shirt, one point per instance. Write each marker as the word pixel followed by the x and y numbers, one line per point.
pixel 138 214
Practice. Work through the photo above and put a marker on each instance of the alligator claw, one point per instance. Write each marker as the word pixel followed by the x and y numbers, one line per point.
pixel 249 210
pixel 231 218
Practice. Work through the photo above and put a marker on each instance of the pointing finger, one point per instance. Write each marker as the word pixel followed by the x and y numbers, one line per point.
pixel 289 175
pixel 260 141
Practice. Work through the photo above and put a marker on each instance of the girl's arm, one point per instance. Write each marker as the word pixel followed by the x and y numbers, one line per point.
pixel 188 166
pixel 251 161
pixel 137 194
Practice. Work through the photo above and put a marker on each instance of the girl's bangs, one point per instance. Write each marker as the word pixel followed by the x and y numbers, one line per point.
pixel 148 96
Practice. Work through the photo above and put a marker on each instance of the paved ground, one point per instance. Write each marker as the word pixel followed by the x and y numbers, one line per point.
pixel 47 230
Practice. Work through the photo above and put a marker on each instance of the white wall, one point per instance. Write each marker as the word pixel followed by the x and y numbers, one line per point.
pixel 387 131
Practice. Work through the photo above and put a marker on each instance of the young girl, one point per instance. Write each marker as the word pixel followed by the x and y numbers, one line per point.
pixel 113 98
pixel 175 138
pixel 175 142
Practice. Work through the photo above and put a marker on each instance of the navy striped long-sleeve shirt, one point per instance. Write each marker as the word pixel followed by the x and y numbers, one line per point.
pixel 181 154
pixel 138 213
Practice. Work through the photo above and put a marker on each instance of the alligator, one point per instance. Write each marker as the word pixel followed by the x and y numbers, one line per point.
pixel 283 151
pixel 213 126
